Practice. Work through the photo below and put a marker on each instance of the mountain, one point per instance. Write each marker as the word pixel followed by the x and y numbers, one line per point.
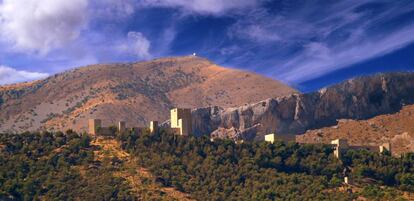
pixel 134 92
pixel 359 98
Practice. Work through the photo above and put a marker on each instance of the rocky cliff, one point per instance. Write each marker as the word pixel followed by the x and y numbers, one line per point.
pixel 358 98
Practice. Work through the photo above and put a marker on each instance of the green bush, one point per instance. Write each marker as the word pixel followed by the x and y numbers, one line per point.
pixel 46 166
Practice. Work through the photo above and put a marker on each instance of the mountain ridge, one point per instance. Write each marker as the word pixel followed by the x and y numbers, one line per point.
pixel 359 98
pixel 133 92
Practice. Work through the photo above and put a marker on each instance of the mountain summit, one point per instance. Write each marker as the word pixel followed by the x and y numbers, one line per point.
pixel 133 92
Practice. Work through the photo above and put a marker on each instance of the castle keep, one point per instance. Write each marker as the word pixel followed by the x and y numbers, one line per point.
pixel 181 120
pixel 181 124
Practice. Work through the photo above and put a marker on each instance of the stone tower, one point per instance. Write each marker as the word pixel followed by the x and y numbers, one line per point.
pixel 385 147
pixel 153 126
pixel 94 125
pixel 270 138
pixel 181 119
pixel 339 146
pixel 121 126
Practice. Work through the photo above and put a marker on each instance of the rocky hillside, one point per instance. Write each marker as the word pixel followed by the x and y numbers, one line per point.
pixel 358 98
pixel 396 128
pixel 134 92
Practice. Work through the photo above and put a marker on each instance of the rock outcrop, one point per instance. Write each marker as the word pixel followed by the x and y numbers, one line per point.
pixel 358 98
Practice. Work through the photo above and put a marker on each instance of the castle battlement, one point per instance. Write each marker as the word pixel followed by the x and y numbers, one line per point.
pixel 285 138
pixel 341 146
pixel 181 124
pixel 96 128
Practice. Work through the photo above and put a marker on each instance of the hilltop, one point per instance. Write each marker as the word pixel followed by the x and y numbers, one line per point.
pixel 133 92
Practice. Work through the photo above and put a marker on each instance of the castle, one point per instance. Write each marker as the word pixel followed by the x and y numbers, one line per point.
pixel 273 137
pixel 181 121
pixel 341 146
pixel 181 124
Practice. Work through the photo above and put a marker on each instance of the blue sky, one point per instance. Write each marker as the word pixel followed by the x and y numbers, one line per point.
pixel 307 44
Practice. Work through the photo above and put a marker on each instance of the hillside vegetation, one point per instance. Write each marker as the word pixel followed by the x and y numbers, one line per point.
pixel 161 166
pixel 55 166
pixel 223 170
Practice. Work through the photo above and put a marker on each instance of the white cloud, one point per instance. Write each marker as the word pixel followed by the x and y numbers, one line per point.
pixel 213 7
pixel 10 75
pixel 137 45
pixel 41 25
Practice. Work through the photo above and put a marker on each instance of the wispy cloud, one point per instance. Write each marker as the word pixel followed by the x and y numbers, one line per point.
pixel 210 7
pixel 324 39
pixel 10 75
pixel 318 59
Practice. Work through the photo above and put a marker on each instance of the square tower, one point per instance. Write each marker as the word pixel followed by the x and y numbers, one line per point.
pixel 339 146
pixel 181 118
pixel 270 138
pixel 385 147
pixel 94 125
pixel 153 126
pixel 121 126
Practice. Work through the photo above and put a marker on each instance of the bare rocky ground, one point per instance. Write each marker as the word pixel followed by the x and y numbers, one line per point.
pixel 371 110
pixel 397 128
pixel 133 92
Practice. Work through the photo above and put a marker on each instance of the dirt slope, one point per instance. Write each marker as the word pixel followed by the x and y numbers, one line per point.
pixel 135 92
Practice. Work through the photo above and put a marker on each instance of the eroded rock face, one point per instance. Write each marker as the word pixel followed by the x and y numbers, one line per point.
pixel 359 98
